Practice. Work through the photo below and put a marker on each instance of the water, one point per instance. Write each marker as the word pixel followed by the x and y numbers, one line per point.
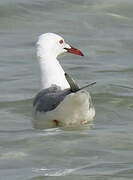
pixel 103 30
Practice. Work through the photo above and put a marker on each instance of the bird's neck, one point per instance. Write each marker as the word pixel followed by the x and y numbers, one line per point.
pixel 52 73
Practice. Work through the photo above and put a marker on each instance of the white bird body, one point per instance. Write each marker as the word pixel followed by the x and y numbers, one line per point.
pixel 74 110
pixel 56 104
pixel 52 73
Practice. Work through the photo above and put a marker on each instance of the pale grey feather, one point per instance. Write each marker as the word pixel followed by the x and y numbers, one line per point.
pixel 74 87
pixel 48 99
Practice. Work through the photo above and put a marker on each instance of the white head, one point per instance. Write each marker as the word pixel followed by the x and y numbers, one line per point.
pixel 51 44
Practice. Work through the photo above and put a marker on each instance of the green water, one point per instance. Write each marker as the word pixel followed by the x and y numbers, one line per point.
pixel 103 30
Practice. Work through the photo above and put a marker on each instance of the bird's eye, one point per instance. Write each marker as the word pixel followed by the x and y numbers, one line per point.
pixel 61 41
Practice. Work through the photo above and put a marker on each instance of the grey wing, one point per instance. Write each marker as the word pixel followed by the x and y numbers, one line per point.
pixel 74 87
pixel 48 99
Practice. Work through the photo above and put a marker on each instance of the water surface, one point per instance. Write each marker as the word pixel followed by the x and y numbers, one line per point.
pixel 103 30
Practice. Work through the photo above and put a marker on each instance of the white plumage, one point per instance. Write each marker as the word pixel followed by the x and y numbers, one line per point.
pixel 56 105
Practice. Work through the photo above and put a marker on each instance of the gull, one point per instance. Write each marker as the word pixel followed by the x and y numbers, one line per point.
pixel 60 102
